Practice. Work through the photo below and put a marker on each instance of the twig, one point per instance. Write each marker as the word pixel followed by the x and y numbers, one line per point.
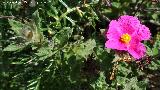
pixel 11 17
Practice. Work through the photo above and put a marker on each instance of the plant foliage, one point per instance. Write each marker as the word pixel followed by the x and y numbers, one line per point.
pixel 59 45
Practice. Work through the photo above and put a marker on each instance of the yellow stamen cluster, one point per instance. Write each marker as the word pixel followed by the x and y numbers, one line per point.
pixel 125 38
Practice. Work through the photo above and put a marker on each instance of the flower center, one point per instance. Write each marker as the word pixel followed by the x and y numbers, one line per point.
pixel 125 38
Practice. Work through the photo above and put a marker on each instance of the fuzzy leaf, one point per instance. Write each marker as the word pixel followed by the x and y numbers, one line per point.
pixel 84 49
pixel 11 48
pixel 16 26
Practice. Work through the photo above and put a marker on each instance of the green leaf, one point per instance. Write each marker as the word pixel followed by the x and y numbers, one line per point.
pixel 121 80
pixel 34 84
pixel 37 18
pixel 116 4
pixel 12 48
pixel 124 69
pixel 100 83
pixel 156 46
pixel 63 35
pixel 44 53
pixel 154 65
pixel 155 51
pixel 149 51
pixel 16 26
pixel 84 49
pixel 154 16
pixel 131 83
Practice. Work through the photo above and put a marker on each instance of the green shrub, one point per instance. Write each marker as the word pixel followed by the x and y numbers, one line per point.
pixel 59 45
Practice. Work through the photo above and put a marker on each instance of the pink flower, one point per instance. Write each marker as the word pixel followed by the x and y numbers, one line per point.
pixel 126 34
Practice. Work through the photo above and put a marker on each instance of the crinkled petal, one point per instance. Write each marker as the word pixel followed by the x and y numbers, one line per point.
pixel 114 31
pixel 135 38
pixel 125 19
pixel 144 32
pixel 129 24
pixel 115 44
pixel 137 50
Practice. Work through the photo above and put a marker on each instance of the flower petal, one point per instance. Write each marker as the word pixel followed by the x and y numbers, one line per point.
pixel 144 32
pixel 125 19
pixel 115 44
pixel 129 24
pixel 137 50
pixel 114 31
